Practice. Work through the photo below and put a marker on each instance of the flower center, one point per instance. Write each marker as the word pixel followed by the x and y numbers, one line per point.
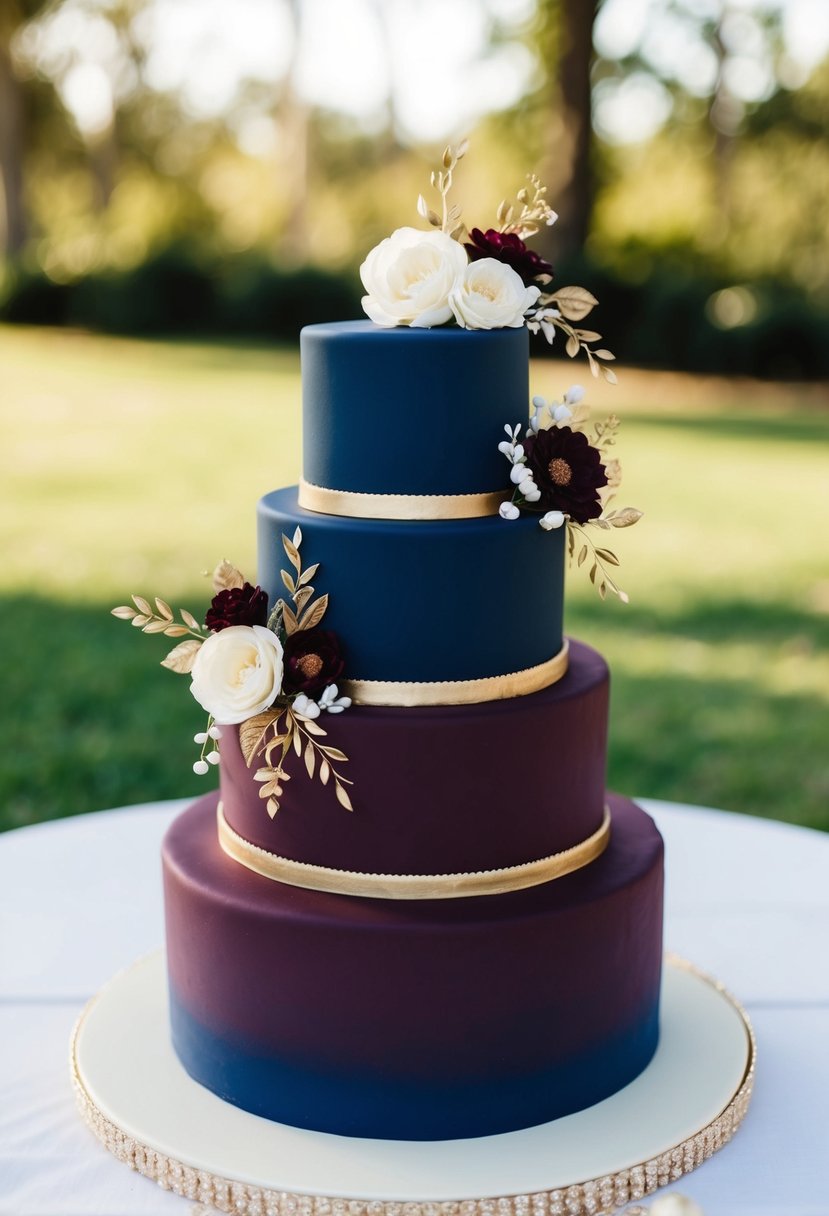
pixel 310 665
pixel 560 472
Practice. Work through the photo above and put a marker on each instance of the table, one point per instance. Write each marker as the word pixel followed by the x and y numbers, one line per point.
pixel 747 900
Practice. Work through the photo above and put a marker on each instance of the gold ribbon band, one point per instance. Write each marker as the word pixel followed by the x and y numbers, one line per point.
pixel 411 886
pixel 459 692
pixel 397 506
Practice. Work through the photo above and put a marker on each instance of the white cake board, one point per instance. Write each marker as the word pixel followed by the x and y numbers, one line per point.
pixel 146 1109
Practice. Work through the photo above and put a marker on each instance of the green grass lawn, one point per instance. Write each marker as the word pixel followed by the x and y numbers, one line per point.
pixel 132 467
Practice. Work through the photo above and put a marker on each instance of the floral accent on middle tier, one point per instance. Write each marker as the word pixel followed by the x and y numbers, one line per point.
pixel 517 780
pixel 452 600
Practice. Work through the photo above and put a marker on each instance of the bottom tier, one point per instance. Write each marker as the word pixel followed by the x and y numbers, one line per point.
pixel 414 1020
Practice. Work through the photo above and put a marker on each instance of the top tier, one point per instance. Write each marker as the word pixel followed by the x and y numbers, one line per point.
pixel 410 411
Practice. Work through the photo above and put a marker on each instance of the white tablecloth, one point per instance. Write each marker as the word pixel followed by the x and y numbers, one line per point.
pixel 747 900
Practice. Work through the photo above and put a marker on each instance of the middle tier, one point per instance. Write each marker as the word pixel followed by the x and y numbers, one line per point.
pixel 442 789
pixel 425 601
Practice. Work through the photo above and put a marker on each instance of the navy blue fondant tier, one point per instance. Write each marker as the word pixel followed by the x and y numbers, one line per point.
pixel 422 601
pixel 410 411
pixel 416 1020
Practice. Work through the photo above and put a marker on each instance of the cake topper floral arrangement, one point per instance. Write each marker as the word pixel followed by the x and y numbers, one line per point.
pixel 491 279
pixel 272 674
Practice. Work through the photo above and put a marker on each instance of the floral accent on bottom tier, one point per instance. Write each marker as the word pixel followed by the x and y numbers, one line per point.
pixel 593 1197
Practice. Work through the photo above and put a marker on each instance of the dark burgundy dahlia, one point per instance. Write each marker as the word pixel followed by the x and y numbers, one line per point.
pixel 507 247
pixel 244 605
pixel 568 472
pixel 313 659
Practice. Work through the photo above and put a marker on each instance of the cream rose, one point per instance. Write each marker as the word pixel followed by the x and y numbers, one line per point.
pixel 237 672
pixel 491 296
pixel 409 277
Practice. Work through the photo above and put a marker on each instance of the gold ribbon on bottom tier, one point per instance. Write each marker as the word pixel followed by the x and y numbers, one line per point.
pixel 412 886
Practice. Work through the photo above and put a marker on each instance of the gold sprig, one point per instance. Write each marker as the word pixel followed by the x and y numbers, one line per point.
pixel 300 734
pixel 442 180
pixel 306 612
pixel 535 212
pixel 162 620
pixel 558 310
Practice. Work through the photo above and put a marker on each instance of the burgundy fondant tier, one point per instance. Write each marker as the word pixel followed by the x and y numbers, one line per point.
pixel 431 1019
pixel 442 789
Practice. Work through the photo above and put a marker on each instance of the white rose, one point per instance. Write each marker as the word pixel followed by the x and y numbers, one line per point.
pixel 237 672
pixel 409 277
pixel 492 296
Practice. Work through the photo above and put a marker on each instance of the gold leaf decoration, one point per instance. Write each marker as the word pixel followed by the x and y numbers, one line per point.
pixel 182 657
pixel 309 574
pixel 325 771
pixel 253 731
pixel 124 613
pixel 163 609
pixel 310 758
pixel 624 518
pixel 342 796
pixel 156 626
pixel 289 619
pixel 226 577
pixel 334 753
pixel 574 302
pixel 289 583
pixel 302 597
pixel 189 620
pixel 314 613
pixel 291 552
pixel 142 605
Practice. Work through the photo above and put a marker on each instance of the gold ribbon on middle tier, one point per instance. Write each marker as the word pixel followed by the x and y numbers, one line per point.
pixel 412 693
pixel 412 886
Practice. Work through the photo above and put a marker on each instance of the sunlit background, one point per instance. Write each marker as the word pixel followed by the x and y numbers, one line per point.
pixel 187 182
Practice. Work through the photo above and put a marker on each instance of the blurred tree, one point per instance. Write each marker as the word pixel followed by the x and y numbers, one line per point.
pixel 13 138
pixel 571 90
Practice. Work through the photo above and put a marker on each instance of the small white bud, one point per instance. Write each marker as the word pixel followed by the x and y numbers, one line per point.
pixel 201 737
pixel 508 510
pixel 212 757
pixel 539 403
pixel 533 494
pixel 214 732
pixel 561 415
pixel 553 519
pixel 518 454
pixel 574 394
pixel 506 449
pixel 526 486
pixel 201 767
pixel 517 474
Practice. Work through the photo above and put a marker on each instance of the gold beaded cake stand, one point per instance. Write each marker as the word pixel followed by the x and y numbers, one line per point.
pixel 141 1104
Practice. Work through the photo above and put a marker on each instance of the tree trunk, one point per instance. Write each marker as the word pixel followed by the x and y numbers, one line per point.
pixel 12 143
pixel 573 198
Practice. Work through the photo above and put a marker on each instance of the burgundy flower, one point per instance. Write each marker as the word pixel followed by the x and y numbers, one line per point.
pixel 568 472
pixel 245 605
pixel 313 659
pixel 507 247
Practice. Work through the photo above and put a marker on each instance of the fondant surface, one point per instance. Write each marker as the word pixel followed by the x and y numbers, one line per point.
pixel 444 600
pixel 414 1020
pixel 410 411
pixel 442 789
